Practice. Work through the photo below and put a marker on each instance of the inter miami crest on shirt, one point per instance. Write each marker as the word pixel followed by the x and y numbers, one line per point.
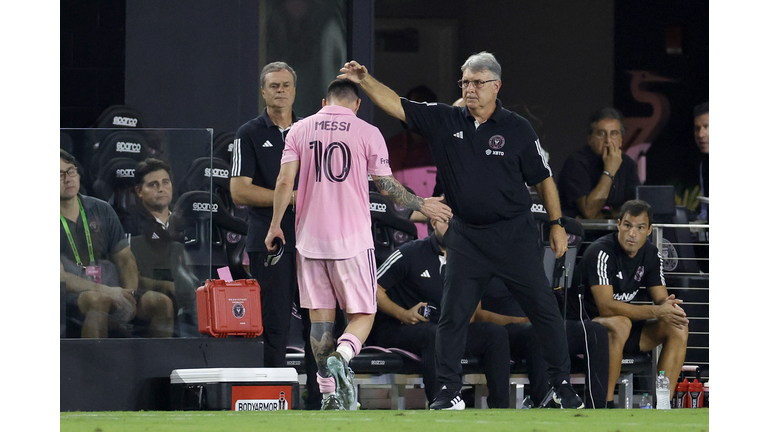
pixel 496 142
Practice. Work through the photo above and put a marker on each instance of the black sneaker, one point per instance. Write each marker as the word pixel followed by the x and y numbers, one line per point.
pixel 448 400
pixel 343 375
pixel 566 396
pixel 332 403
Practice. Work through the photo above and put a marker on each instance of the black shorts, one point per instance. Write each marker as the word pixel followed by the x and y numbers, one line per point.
pixel 632 346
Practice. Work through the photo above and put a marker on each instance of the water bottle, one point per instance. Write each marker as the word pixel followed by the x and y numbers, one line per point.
pixel 662 391
pixel 695 394
pixel 678 401
pixel 645 402
pixel 705 399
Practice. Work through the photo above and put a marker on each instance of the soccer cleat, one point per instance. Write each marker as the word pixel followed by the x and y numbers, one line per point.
pixel 566 396
pixel 332 403
pixel 343 375
pixel 447 400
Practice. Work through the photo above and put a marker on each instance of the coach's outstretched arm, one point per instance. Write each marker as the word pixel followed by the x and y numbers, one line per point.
pixel 384 97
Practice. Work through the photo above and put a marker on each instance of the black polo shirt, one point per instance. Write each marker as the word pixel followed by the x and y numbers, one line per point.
pixel 256 153
pixel 483 170
pixel 581 173
pixel 605 263
pixel 412 275
pixel 141 222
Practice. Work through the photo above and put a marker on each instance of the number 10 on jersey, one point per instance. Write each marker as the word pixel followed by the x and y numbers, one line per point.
pixel 324 160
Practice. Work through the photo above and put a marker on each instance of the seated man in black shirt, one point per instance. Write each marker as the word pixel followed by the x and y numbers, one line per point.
pixel 610 275
pixel 412 279
pixel 154 189
pixel 164 265
pixel 585 338
pixel 596 180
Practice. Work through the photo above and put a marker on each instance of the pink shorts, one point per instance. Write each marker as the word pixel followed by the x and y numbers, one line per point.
pixel 351 282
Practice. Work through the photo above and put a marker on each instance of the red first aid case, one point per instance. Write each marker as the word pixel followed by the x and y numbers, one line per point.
pixel 229 308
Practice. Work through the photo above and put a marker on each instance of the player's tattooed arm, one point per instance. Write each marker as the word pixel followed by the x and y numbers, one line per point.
pixel 391 188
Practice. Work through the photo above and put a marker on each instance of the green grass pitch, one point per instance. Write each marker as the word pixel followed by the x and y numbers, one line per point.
pixel 534 420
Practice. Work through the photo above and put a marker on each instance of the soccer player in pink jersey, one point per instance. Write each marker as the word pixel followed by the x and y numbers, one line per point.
pixel 333 152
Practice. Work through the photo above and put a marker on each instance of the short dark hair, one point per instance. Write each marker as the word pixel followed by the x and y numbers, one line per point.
pixel 635 208
pixel 66 157
pixel 700 109
pixel 149 165
pixel 274 67
pixel 343 89
pixel 605 113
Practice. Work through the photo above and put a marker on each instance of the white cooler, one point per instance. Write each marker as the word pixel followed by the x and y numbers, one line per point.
pixel 236 389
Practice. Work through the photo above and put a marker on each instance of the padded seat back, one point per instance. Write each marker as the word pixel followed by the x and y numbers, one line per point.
pixel 115 185
pixel 390 230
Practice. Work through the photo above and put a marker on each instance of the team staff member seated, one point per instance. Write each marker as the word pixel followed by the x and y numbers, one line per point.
pixel 164 265
pixel 597 179
pixel 411 279
pixel 610 275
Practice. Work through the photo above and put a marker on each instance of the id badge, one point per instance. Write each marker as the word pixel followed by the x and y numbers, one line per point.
pixel 93 272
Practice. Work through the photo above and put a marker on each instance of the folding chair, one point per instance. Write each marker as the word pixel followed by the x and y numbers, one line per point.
pixel 559 270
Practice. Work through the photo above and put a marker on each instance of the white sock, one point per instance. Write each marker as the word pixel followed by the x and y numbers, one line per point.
pixel 346 352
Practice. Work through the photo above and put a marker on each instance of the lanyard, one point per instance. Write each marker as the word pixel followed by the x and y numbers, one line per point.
pixel 87 236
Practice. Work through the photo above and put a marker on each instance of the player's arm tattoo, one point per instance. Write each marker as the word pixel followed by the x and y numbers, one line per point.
pixel 390 187
pixel 321 338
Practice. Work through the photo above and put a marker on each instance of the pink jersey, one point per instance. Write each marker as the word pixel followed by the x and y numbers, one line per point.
pixel 337 151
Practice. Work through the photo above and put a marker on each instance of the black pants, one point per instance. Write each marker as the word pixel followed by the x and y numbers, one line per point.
pixel 508 250
pixel 487 342
pixel 279 291
pixel 524 344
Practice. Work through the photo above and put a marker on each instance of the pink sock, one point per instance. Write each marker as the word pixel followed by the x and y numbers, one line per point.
pixel 327 385
pixel 348 346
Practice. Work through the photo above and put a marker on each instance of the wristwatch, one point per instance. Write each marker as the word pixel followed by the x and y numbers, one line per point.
pixel 558 221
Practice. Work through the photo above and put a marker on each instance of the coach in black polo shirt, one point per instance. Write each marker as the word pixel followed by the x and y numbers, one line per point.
pixel 485 155
pixel 256 154
pixel 411 279
pixel 610 275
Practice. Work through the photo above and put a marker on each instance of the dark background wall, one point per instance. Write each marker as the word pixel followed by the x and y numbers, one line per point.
pixel 92 59
pixel 670 39
pixel 556 58
pixel 195 63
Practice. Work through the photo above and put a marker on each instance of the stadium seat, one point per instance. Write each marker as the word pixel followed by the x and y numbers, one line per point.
pixel 212 174
pixel 115 185
pixel 118 144
pixel 560 270
pixel 390 229
pixel 207 240
pixel 222 146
